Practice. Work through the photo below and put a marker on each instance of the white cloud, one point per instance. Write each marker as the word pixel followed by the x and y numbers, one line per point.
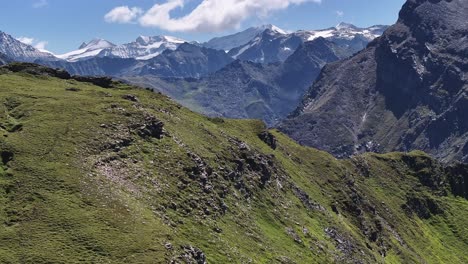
pixel 123 14
pixel 212 15
pixel 208 16
pixel 26 40
pixel 41 45
pixel 33 42
pixel 40 3
pixel 339 13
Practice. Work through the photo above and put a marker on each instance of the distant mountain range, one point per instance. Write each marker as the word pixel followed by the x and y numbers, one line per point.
pixel 262 72
pixel 245 89
pixel 273 44
pixel 263 44
pixel 408 90
pixel 188 60
pixel 143 48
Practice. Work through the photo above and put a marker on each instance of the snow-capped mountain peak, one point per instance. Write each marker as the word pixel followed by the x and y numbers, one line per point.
pixel 143 48
pixel 344 25
pixel 346 31
pixel 87 50
pixel 97 43
pixel 17 50
pixel 146 41
pixel 274 29
pixel 230 42
pixel 143 40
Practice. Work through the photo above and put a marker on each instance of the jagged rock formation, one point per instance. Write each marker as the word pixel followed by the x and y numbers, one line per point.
pixel 406 91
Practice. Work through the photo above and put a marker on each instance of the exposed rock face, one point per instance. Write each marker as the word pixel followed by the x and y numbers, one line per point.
pixel 407 90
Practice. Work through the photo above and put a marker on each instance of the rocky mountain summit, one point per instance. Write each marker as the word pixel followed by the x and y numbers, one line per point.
pixel 406 91
pixel 19 51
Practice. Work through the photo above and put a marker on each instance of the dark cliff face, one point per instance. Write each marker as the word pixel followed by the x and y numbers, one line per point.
pixel 406 91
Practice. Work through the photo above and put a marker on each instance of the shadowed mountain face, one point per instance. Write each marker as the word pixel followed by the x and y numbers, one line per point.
pixel 4 59
pixel 187 61
pixel 407 90
pixel 250 90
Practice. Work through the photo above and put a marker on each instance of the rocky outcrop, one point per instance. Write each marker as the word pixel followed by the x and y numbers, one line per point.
pixel 189 254
pixel 105 82
pixel 35 69
pixel 268 138
pixel 423 207
pixel 406 91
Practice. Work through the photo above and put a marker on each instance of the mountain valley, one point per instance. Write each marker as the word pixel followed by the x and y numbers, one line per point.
pixel 341 145
pixel 125 175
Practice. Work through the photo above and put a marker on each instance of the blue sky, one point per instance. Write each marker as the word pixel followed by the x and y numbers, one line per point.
pixel 61 26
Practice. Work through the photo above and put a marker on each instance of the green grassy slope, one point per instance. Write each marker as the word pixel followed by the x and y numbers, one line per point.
pixel 87 176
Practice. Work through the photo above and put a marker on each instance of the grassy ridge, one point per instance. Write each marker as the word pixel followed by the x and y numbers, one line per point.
pixel 87 177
